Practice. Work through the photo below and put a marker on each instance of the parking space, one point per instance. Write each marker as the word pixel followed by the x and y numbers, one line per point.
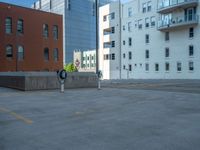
pixel 107 119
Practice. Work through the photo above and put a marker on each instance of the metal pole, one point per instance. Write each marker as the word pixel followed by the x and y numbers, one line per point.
pixel 99 84
pixel 97 36
pixel 62 87
pixel 120 45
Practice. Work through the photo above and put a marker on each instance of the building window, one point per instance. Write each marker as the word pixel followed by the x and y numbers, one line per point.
pixel 55 54
pixel 147 22
pixel 45 30
pixel 166 52
pixel 124 67
pixel 140 24
pixel 104 18
pixel 46 54
pixel 166 36
pixel 166 66
pixel 20 53
pixel 124 28
pixel 179 68
pixel 147 38
pixel 113 56
pixel 130 12
pixel 191 32
pixel 8 25
pixel 112 16
pixel 113 44
pixel 113 29
pixel 55 32
pixel 149 6
pixel 191 50
pixel 147 54
pixel 130 67
pixel 191 66
pixel 20 26
pixel 9 51
pixel 69 4
pixel 146 67
pixel 130 41
pixel 124 55
pixel 129 26
pixel 124 42
pixel 144 7
pixel 129 55
pixel 156 67
pixel 153 21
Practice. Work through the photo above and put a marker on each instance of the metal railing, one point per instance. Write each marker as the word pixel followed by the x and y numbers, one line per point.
pixel 178 21
pixel 163 5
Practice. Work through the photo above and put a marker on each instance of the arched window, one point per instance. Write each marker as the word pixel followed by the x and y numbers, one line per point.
pixel 20 54
pixel 45 30
pixel 46 54
pixel 9 51
pixel 8 25
pixel 55 32
pixel 55 54
pixel 20 26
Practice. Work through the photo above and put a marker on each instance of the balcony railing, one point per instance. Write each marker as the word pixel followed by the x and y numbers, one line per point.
pixel 174 4
pixel 178 22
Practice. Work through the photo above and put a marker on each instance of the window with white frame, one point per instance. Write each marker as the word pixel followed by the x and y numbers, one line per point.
pixel 153 21
pixel 147 38
pixel 191 66
pixel 8 25
pixel 144 7
pixel 147 22
pixel 129 26
pixel 130 12
pixel 167 66
pixel 146 67
pixel 156 67
pixel 179 66
pixel 191 50
pixel 166 52
pixel 129 41
pixel 140 24
pixel 149 6
pixel 9 51
pixel 20 53
pixel 129 55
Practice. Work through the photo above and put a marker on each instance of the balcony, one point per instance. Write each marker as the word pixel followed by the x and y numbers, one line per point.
pixel 178 23
pixel 175 4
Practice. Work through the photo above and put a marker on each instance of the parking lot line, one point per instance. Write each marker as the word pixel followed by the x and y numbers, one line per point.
pixel 15 115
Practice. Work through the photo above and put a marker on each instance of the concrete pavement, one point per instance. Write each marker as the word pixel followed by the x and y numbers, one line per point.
pixel 108 119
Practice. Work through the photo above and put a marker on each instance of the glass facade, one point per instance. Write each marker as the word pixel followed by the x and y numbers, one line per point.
pixel 79 22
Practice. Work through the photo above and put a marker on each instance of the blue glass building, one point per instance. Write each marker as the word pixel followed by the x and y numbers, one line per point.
pixel 79 22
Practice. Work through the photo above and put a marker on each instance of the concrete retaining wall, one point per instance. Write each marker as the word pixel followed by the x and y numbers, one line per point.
pixel 28 81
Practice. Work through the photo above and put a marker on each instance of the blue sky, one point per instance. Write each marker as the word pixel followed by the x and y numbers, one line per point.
pixel 28 3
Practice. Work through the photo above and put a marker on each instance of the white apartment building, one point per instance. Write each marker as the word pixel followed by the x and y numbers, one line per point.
pixel 109 40
pixel 85 61
pixel 159 39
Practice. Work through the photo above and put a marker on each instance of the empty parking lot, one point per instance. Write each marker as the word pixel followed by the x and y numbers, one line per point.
pixel 108 119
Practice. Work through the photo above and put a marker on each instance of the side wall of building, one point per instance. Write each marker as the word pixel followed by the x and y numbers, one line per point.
pixel 32 40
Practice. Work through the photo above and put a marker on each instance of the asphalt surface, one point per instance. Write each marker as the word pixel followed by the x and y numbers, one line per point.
pixel 120 118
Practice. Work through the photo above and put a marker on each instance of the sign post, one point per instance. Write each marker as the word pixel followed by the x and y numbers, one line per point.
pixel 99 79
pixel 62 76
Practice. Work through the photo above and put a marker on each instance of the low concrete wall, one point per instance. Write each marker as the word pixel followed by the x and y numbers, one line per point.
pixel 28 81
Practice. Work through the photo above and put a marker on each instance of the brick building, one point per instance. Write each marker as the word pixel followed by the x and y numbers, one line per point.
pixel 30 40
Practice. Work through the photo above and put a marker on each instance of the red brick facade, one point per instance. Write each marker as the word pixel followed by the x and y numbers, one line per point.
pixel 29 35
